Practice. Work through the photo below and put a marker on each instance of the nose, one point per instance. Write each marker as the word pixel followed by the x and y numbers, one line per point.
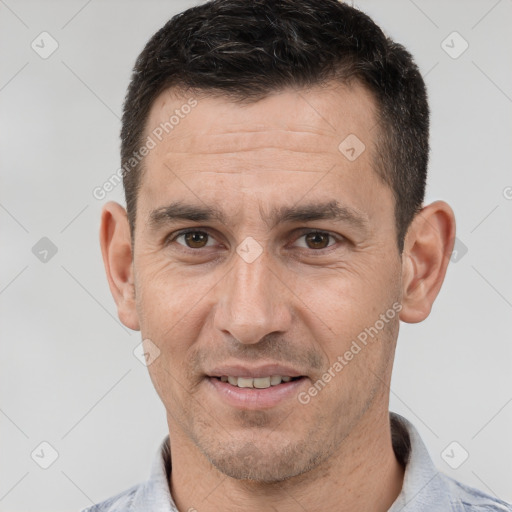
pixel 252 302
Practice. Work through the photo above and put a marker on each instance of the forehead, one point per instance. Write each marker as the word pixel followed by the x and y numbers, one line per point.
pixel 328 111
pixel 318 141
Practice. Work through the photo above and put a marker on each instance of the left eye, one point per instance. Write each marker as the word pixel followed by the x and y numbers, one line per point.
pixel 195 239
pixel 316 240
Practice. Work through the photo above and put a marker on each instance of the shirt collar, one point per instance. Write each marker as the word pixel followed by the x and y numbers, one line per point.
pixel 424 487
pixel 154 494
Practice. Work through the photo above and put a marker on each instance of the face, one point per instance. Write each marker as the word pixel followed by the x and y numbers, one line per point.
pixel 262 249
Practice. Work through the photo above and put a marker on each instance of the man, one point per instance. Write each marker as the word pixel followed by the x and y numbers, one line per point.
pixel 275 156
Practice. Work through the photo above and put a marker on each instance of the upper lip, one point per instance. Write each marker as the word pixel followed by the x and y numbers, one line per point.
pixel 266 370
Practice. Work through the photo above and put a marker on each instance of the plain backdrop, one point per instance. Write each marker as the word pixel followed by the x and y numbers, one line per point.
pixel 68 375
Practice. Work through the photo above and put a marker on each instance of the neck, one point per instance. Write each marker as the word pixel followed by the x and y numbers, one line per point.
pixel 363 475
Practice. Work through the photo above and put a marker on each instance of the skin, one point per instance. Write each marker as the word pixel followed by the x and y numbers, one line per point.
pixel 301 302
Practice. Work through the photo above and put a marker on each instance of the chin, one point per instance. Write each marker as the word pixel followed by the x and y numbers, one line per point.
pixel 267 463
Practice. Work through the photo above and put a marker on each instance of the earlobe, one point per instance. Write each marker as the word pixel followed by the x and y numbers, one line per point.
pixel 115 241
pixel 428 247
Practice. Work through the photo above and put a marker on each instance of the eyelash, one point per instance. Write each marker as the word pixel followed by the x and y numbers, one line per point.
pixel 172 238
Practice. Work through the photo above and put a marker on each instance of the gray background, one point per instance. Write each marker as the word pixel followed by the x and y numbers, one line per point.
pixel 68 375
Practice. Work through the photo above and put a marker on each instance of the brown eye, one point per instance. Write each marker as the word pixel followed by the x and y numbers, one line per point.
pixel 317 240
pixel 194 239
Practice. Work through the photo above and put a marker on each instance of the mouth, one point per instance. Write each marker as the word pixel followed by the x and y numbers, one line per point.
pixel 257 392
pixel 263 382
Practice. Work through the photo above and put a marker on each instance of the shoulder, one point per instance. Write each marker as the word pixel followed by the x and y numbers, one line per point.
pixel 121 502
pixel 470 499
pixel 426 488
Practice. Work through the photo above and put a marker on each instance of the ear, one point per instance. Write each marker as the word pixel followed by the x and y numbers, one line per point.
pixel 427 250
pixel 115 241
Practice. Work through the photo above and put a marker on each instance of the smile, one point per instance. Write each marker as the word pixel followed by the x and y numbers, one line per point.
pixel 257 382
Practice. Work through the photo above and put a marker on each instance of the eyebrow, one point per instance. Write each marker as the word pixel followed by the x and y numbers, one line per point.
pixel 331 210
pixel 182 211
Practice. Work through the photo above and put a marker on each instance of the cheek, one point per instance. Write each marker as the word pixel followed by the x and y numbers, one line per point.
pixel 173 323
pixel 165 295
pixel 345 302
pixel 172 312
pixel 359 367
pixel 357 342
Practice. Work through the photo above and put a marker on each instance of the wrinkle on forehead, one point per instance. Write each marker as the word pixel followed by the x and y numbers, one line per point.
pixel 286 131
pixel 319 110
pixel 250 140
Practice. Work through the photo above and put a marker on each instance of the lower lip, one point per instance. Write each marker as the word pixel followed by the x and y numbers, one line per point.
pixel 253 398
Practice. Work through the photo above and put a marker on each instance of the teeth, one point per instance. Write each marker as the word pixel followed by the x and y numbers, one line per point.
pixel 245 383
pixel 258 382
pixel 275 380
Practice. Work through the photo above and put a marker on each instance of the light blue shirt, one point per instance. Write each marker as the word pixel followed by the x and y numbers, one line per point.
pixel 425 489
